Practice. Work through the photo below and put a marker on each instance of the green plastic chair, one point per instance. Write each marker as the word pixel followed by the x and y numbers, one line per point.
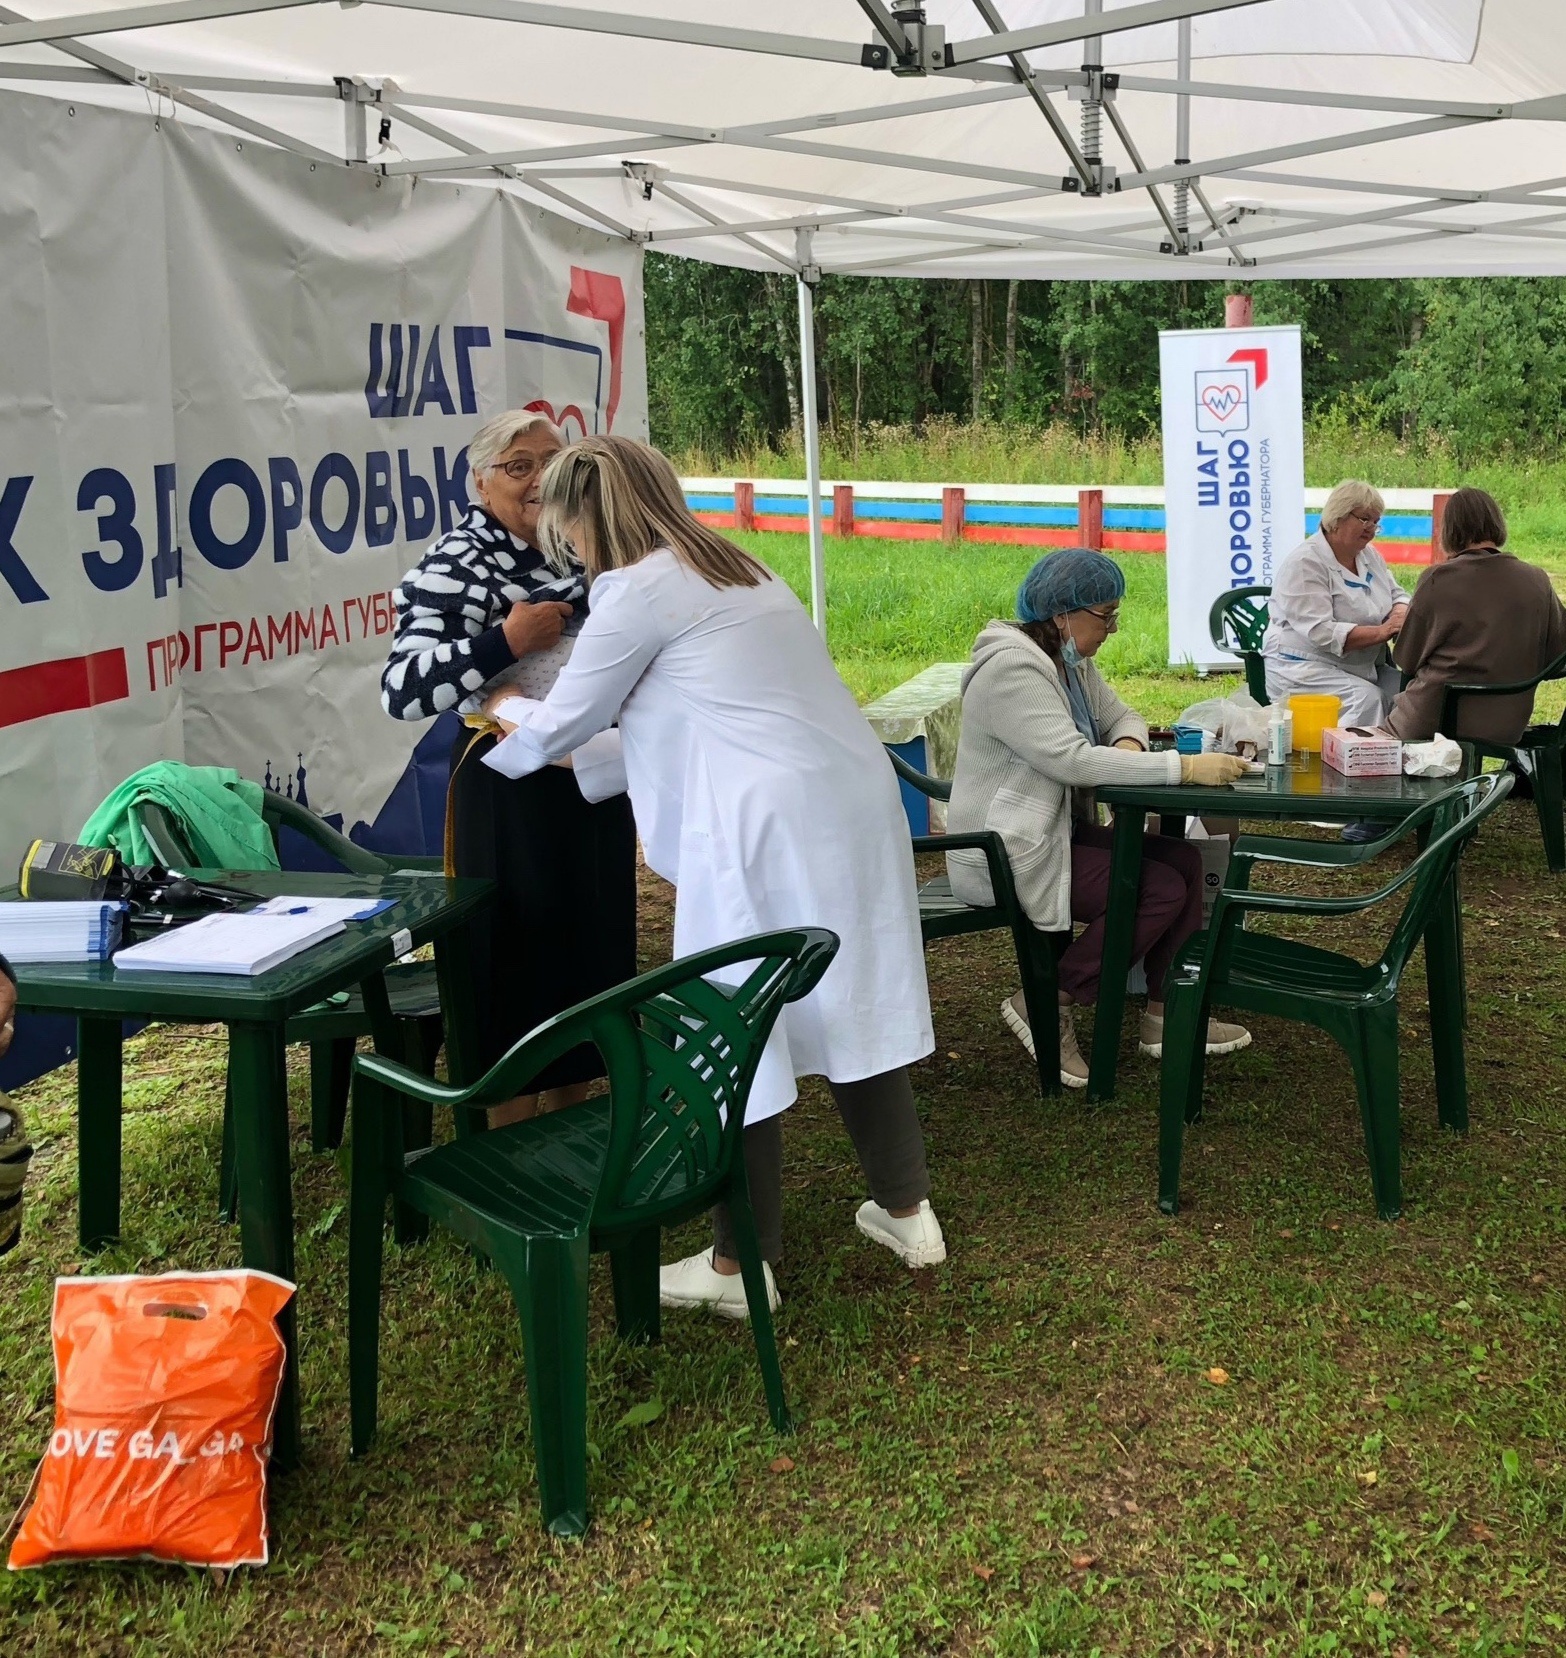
pixel 333 1027
pixel 538 1197
pixel 1354 1004
pixel 1238 623
pixel 1537 753
pixel 943 915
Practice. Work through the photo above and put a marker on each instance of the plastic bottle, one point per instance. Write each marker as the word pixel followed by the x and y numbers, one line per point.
pixel 1277 740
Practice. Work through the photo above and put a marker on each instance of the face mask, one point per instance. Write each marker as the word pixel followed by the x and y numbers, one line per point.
pixel 1069 654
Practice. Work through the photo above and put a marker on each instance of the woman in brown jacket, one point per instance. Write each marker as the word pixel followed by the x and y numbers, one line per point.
pixel 1481 618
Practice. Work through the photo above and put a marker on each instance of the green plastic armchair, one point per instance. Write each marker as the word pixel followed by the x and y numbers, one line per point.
pixel 1238 624
pixel 1356 1005
pixel 332 1027
pixel 943 915
pixel 1537 753
pixel 539 1197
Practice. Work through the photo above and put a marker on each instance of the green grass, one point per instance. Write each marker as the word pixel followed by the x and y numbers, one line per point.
pixel 949 452
pixel 1016 1454
pixel 1531 490
pixel 894 607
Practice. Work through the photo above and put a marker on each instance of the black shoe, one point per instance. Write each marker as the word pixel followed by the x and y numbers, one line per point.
pixel 1359 834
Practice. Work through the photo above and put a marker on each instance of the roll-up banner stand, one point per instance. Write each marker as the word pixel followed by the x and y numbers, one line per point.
pixel 1234 470
pixel 235 398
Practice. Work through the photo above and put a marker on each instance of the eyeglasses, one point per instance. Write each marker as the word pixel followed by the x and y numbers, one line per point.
pixel 1371 521
pixel 519 467
pixel 1109 615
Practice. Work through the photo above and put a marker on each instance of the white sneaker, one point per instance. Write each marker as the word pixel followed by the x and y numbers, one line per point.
pixel 694 1283
pixel 915 1239
pixel 1221 1038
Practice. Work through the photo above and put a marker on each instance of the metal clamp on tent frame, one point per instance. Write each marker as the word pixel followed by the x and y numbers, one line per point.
pixel 358 92
pixel 925 50
pixel 909 45
pixel 642 173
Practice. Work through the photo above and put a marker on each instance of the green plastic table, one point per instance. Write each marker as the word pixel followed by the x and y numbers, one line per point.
pixel 428 908
pixel 1302 791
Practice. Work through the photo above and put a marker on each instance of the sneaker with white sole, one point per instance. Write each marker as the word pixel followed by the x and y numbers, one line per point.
pixel 1221 1038
pixel 1073 1068
pixel 1018 1026
pixel 916 1239
pixel 694 1282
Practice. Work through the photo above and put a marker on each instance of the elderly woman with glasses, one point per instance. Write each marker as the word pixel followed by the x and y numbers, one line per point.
pixel 481 601
pixel 1041 729
pixel 1333 612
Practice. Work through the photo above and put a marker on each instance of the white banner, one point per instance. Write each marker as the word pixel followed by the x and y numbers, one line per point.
pixel 235 396
pixel 1234 470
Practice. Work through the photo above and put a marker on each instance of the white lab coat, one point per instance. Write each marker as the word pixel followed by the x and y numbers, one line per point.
pixel 759 790
pixel 1315 603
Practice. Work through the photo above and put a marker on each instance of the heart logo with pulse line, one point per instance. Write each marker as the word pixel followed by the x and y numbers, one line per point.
pixel 1221 401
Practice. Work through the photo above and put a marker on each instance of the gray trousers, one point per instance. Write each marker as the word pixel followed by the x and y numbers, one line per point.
pixel 883 1123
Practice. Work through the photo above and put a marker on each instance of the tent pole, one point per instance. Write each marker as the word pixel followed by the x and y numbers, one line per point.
pixel 809 275
pixel 1182 191
pixel 1092 107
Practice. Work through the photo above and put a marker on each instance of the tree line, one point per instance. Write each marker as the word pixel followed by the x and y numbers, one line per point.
pixel 1477 365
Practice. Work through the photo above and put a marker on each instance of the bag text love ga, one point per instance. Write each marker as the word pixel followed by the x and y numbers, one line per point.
pixel 165 1389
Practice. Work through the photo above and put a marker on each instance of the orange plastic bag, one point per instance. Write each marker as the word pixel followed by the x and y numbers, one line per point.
pixel 165 1388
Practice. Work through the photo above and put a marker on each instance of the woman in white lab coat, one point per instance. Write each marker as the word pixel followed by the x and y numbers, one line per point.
pixel 761 792
pixel 1334 610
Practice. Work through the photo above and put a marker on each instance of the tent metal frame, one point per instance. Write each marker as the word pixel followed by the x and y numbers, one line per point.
pixel 994 64
pixel 881 37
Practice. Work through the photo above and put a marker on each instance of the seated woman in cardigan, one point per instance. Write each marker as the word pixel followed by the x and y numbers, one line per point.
pixel 1483 617
pixel 1040 729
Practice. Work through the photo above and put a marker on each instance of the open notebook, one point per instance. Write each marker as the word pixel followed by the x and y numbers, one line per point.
pixel 245 944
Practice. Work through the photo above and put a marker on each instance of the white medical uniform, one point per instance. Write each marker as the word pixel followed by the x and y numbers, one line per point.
pixel 759 790
pixel 1315 604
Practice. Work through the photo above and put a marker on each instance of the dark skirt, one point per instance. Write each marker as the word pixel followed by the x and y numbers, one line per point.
pixel 563 926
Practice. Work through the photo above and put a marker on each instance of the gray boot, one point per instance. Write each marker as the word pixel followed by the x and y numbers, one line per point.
pixel 15 1153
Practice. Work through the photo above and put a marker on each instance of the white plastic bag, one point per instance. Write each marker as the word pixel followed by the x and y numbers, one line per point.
pixel 1234 721
pixel 1440 757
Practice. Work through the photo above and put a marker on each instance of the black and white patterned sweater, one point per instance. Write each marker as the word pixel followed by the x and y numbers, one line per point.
pixel 449 642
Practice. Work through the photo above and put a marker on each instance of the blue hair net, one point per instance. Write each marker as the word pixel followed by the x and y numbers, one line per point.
pixel 1072 579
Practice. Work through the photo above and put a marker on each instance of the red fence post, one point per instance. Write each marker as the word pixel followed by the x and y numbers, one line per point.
pixel 954 508
pixel 744 505
pixel 842 509
pixel 1437 513
pixel 1090 518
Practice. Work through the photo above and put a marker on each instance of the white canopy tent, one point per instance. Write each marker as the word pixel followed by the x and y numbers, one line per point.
pixel 960 138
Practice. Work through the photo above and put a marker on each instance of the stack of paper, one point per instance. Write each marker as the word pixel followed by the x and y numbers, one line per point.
pixel 43 931
pixel 245 944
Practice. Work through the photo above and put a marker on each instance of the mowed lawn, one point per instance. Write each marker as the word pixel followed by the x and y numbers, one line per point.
pixel 894 607
pixel 1026 1451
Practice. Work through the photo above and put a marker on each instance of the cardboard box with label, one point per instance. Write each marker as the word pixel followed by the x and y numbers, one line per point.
pixel 1359 753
